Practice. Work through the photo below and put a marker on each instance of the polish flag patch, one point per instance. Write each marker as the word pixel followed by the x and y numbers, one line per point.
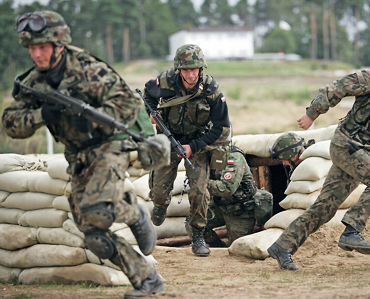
pixel 228 176
pixel 157 81
pixel 223 99
pixel 230 162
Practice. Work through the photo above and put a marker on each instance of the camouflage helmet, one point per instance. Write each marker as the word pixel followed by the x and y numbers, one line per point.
pixel 43 27
pixel 287 146
pixel 189 57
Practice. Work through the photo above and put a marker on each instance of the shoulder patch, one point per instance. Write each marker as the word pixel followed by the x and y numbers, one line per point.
pixel 228 176
pixel 223 99
pixel 230 162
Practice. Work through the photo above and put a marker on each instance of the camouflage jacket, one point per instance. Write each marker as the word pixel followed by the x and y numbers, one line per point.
pixel 201 121
pixel 356 125
pixel 85 78
pixel 235 183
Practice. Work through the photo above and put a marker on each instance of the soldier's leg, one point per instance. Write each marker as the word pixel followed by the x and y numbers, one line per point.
pixel 214 219
pixel 337 186
pixel 98 196
pixel 198 179
pixel 161 184
pixel 239 225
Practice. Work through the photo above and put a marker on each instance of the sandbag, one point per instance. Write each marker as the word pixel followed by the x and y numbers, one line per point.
pixel 44 183
pixel 255 245
pixel 127 235
pixel 43 218
pixel 29 201
pixel 311 169
pixel 336 221
pixel 9 274
pixel 15 162
pixel 283 219
pixel 137 172
pixel 10 216
pixel 61 203
pixel 174 209
pixel 171 227
pixel 70 226
pixel 16 181
pixel 117 226
pixel 42 255
pixel 90 273
pixel 304 186
pixel 3 196
pixel 319 149
pixel 13 237
pixel 304 201
pixel 57 169
pixel 59 236
pixel 68 190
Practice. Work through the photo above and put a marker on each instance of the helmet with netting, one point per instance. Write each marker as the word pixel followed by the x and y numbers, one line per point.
pixel 287 146
pixel 189 57
pixel 43 27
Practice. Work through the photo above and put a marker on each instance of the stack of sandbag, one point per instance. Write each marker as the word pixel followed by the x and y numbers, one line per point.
pixel 174 224
pixel 39 241
pixel 304 188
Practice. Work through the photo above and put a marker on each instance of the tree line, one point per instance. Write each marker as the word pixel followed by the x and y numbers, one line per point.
pixel 126 30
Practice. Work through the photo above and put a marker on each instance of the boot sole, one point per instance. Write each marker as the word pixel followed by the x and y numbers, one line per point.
pixel 157 289
pixel 362 250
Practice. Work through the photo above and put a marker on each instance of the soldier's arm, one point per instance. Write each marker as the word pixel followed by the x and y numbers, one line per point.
pixel 21 119
pixel 356 84
pixel 229 181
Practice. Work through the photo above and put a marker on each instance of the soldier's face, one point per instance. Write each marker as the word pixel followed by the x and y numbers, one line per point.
pixel 41 54
pixel 190 76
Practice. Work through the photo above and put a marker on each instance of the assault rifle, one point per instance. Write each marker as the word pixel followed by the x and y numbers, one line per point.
pixel 73 106
pixel 174 143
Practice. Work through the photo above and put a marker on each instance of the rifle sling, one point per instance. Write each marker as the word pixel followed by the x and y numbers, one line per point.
pixel 177 101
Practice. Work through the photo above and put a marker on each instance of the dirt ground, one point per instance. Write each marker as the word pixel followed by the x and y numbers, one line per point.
pixel 326 271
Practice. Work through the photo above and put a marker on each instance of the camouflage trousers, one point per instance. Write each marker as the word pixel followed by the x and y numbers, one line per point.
pixel 98 175
pixel 237 226
pixel 161 185
pixel 343 177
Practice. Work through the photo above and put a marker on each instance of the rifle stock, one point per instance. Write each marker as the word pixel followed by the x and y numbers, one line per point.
pixel 174 143
pixel 75 106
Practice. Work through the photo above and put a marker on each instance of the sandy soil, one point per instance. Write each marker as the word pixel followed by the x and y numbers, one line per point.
pixel 325 272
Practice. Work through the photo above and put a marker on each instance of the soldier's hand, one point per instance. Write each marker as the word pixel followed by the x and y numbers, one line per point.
pixel 153 120
pixel 187 150
pixel 51 114
pixel 305 121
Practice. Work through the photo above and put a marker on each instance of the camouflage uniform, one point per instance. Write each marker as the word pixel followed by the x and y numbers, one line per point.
pixel 202 122
pixel 349 152
pixel 235 197
pixel 98 159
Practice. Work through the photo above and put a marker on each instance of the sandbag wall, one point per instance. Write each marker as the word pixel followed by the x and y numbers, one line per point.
pixel 39 241
pixel 304 188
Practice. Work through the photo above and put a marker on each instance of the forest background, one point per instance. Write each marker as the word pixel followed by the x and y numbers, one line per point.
pixel 132 35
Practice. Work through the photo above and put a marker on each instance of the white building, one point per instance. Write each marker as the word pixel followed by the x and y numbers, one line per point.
pixel 216 43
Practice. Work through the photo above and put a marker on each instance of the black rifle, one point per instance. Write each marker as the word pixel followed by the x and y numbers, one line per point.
pixel 74 106
pixel 174 143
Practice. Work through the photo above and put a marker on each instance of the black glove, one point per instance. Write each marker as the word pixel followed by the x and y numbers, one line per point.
pixel 82 124
pixel 51 114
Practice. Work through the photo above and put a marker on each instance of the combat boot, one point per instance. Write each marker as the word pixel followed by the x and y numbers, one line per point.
pixel 198 244
pixel 283 257
pixel 144 232
pixel 351 239
pixel 151 285
pixel 158 215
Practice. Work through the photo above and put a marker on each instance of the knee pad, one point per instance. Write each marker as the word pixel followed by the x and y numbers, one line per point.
pixel 101 243
pixel 100 215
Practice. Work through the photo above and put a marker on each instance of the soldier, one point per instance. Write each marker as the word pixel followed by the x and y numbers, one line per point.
pixel 236 201
pixel 288 148
pixel 349 151
pixel 98 156
pixel 195 111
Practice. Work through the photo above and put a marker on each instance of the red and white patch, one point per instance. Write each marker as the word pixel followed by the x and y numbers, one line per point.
pixel 223 99
pixel 228 176
pixel 157 81
pixel 230 162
